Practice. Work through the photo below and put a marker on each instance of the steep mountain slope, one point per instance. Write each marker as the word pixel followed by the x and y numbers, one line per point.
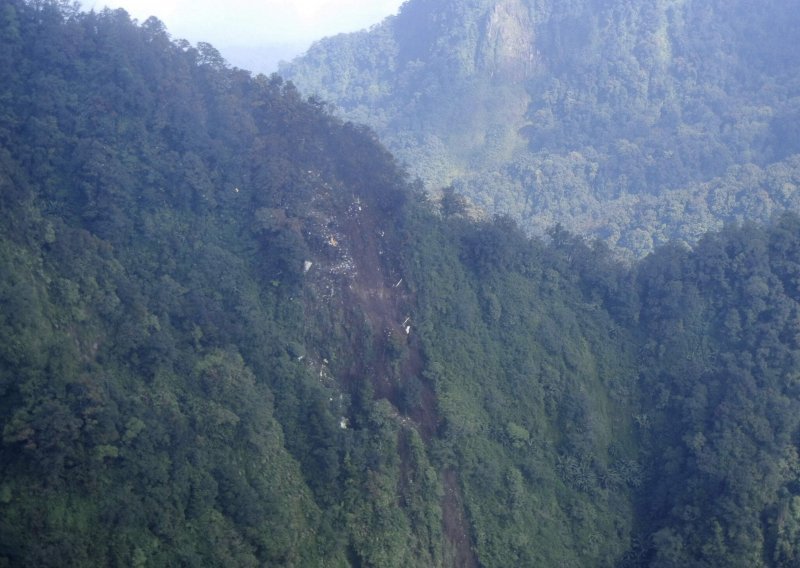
pixel 213 350
pixel 232 334
pixel 719 377
pixel 615 118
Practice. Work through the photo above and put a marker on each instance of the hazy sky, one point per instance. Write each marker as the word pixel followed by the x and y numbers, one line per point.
pixel 255 34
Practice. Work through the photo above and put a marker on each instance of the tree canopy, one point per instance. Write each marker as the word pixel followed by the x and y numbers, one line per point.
pixel 232 333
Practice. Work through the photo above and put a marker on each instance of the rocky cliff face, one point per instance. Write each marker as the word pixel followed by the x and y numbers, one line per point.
pixel 508 49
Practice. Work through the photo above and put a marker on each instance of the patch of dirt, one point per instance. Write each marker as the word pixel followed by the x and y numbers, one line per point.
pixel 424 412
pixel 358 266
pixel 454 524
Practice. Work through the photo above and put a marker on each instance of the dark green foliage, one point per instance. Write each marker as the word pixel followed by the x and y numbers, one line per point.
pixel 231 334
pixel 524 383
pixel 151 414
pixel 721 364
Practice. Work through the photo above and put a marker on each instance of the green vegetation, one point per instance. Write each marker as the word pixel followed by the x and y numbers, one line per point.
pixel 634 122
pixel 233 334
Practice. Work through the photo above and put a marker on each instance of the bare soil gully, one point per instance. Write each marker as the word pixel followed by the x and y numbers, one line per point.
pixel 357 268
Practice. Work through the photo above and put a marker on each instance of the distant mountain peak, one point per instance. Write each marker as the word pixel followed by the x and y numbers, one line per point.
pixel 591 113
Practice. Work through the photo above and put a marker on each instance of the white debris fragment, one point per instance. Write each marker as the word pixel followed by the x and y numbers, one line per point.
pixel 408 330
pixel 398 283
pixel 344 423
pixel 307 266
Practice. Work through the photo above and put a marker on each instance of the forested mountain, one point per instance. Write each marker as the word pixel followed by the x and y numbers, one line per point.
pixel 232 333
pixel 630 120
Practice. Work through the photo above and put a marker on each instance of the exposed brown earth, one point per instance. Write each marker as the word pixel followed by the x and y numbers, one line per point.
pixel 455 525
pixel 358 268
